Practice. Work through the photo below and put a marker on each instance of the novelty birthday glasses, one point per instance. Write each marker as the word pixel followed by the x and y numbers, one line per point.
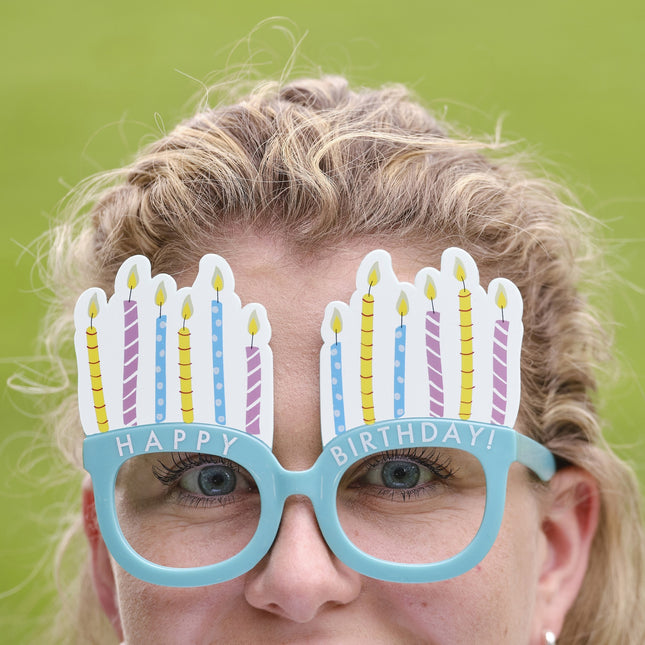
pixel 419 392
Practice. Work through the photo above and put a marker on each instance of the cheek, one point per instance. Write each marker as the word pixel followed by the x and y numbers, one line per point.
pixel 478 607
pixel 160 615
pixel 489 605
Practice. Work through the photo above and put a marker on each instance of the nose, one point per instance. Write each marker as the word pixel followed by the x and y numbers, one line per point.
pixel 300 576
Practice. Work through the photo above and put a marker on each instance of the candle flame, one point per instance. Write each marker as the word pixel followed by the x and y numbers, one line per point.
pixel 133 277
pixel 93 307
pixel 402 305
pixel 160 296
pixel 460 271
pixel 501 297
pixel 374 275
pixel 336 322
pixel 187 309
pixel 431 290
pixel 254 323
pixel 218 280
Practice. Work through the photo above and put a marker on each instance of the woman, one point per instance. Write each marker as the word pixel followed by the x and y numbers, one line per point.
pixel 293 186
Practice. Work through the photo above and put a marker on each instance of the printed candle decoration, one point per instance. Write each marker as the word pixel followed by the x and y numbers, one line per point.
pixel 400 334
pixel 466 338
pixel 160 356
pixel 253 379
pixel 96 380
pixel 452 357
pixel 217 328
pixel 336 360
pixel 130 352
pixel 367 334
pixel 433 352
pixel 185 375
pixel 500 362
pixel 173 332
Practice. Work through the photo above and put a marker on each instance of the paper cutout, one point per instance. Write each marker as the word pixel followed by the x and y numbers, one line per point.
pixel 443 347
pixel 157 354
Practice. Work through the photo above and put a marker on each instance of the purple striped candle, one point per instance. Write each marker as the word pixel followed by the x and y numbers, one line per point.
pixel 500 363
pixel 130 353
pixel 433 353
pixel 253 380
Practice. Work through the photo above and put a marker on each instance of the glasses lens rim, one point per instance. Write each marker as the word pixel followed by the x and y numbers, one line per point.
pixel 324 478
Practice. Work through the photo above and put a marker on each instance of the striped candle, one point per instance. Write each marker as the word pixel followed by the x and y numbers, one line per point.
pixel 500 363
pixel 217 330
pixel 130 353
pixel 400 334
pixel 185 367
pixel 160 356
pixel 336 360
pixel 253 379
pixel 466 337
pixel 367 333
pixel 96 380
pixel 433 353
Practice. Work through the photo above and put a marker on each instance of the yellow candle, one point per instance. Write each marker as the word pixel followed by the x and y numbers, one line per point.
pixel 466 327
pixel 367 332
pixel 185 376
pixel 95 367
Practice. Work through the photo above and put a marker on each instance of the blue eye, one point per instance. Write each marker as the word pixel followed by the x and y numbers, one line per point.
pixel 213 480
pixel 400 474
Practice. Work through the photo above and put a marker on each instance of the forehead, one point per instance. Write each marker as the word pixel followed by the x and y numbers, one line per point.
pixel 295 286
pixel 269 269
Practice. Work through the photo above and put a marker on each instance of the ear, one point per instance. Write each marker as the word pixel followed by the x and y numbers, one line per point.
pixel 569 522
pixel 102 572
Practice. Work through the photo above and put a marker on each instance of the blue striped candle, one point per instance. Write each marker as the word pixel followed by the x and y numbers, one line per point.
pixel 217 329
pixel 336 360
pixel 400 334
pixel 160 357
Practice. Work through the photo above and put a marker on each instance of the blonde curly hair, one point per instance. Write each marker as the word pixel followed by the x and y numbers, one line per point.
pixel 319 163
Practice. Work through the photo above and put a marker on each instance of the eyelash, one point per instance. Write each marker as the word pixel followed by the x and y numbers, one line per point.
pixel 439 464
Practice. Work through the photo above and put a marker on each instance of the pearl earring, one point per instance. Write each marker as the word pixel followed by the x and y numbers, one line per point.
pixel 549 637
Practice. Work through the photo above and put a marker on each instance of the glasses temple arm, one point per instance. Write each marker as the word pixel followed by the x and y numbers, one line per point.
pixel 536 457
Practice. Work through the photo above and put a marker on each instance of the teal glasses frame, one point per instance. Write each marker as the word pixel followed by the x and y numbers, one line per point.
pixel 496 448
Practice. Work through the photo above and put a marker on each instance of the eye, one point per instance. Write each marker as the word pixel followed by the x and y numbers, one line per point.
pixel 414 471
pixel 203 477
pixel 211 480
pixel 398 474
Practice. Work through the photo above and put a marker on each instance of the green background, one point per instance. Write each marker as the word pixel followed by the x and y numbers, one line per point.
pixel 85 83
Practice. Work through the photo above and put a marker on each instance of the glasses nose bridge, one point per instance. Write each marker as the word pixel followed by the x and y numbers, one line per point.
pixel 299 482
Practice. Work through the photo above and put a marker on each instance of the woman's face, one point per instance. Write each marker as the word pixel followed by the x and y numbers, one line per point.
pixel 300 592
